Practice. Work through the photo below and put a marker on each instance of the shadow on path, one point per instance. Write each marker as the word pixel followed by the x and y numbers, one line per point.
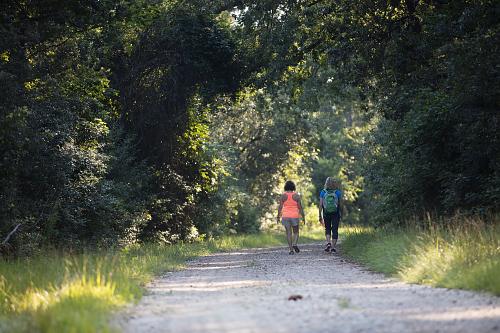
pixel 248 291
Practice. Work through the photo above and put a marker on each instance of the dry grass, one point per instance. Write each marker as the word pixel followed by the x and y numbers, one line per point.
pixel 460 253
pixel 60 292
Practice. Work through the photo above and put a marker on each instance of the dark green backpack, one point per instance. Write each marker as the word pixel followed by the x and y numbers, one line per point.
pixel 330 202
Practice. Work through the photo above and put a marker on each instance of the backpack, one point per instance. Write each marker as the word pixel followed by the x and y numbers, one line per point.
pixel 330 202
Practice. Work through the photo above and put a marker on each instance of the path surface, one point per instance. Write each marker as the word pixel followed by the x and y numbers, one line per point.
pixel 247 291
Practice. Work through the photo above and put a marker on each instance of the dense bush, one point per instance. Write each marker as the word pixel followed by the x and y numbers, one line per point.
pixel 102 124
pixel 436 149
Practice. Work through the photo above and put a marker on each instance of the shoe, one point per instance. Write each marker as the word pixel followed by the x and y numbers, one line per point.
pixel 333 250
pixel 291 252
pixel 296 248
pixel 328 247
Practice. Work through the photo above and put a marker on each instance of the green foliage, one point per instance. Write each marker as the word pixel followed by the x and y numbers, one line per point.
pixel 102 122
pixel 129 121
pixel 54 165
pixel 182 61
pixel 180 55
pixel 263 141
pixel 76 293
pixel 339 131
pixel 435 149
pixel 463 254
pixel 382 251
pixel 420 76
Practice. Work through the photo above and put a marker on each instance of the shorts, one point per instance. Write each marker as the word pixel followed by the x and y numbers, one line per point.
pixel 290 221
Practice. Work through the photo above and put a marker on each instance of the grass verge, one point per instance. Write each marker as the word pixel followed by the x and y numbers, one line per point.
pixel 464 255
pixel 59 292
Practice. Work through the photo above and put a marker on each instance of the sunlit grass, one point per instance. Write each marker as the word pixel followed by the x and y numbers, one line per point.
pixel 463 255
pixel 312 234
pixel 61 292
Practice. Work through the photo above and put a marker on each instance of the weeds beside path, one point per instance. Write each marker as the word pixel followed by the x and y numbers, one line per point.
pixel 57 292
pixel 462 256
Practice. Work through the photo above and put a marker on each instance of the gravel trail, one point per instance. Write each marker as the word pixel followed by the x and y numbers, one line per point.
pixel 248 290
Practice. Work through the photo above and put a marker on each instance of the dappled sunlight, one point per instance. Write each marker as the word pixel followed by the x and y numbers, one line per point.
pixel 83 289
pixel 206 268
pixel 138 138
pixel 465 255
pixel 220 263
pixel 210 286
pixel 237 253
pixel 36 299
pixel 249 291
pixel 455 313
pixel 382 287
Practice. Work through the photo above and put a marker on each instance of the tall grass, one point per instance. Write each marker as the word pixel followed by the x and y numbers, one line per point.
pixel 60 292
pixel 459 253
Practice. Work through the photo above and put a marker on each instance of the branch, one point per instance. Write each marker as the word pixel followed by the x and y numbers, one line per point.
pixel 10 234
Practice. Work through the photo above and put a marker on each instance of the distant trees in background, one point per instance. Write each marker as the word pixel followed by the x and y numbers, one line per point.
pixel 127 121
pixel 403 98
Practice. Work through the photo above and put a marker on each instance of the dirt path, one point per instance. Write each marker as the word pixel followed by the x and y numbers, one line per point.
pixel 247 291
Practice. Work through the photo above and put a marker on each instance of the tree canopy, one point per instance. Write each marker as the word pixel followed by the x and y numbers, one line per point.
pixel 136 120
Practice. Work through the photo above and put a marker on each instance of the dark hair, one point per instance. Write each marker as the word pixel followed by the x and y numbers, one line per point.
pixel 289 186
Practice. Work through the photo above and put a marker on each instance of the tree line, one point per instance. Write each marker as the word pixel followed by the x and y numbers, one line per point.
pixel 137 120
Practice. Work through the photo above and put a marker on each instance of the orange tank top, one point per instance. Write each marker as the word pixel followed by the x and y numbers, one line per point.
pixel 290 206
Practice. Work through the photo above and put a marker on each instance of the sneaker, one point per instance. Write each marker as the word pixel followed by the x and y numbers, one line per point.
pixel 333 250
pixel 328 247
pixel 296 248
pixel 291 252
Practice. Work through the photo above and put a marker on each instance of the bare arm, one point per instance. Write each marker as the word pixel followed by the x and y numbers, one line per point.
pixel 320 213
pixel 341 208
pixel 301 209
pixel 297 198
pixel 280 208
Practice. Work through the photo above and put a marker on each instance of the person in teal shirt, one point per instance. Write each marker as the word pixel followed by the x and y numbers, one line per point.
pixel 330 204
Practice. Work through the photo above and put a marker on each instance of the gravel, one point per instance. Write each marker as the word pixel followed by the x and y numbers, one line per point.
pixel 250 291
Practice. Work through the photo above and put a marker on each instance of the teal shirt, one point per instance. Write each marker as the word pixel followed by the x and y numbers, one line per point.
pixel 337 192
